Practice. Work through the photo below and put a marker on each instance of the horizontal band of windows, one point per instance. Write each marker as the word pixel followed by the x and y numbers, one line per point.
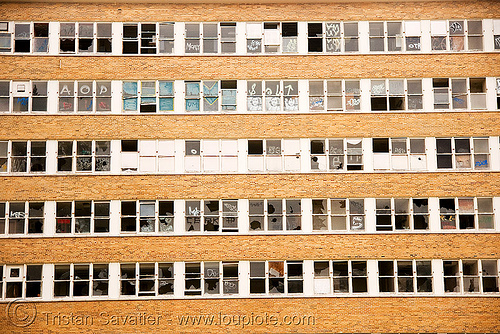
pixel 251 155
pixel 253 216
pixel 249 38
pixel 250 96
pixel 272 278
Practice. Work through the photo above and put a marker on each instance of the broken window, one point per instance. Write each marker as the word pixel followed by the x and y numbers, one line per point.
pixel 477 93
pixel 275 215
pixel 22 218
pixel 470 269
pixel 28 157
pixel 338 214
pixel 192 283
pixel 457 153
pixel 210 213
pixel 281 277
pixel 457 38
pixel 166 37
pixel 335 94
pixel 83 156
pixel 412 276
pixel 447 213
pixel 477 276
pixel 67 38
pixel 146 279
pixel 149 98
pixel 346 276
pixel 147 216
pixel 289 33
pixel 82 217
pixel 24 281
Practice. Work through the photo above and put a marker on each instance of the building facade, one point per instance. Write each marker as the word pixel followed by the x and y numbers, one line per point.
pixel 260 167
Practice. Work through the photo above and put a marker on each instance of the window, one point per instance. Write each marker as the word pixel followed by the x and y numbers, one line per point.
pixel 496 34
pixel 22 281
pixel 211 155
pixel 211 278
pixel 274 155
pixel 83 156
pixel 22 35
pixel 463 153
pixel 338 214
pixel 343 276
pixel 405 276
pixel 273 97
pixel 145 33
pixel 5 37
pixel 470 276
pixel 25 157
pixel 276 277
pixel 147 216
pixel 254 37
pixel 338 155
pixel 211 100
pixel 90 96
pixel 412 35
pixel 394 95
pixel 289 33
pixel 155 156
pixel 399 154
pixel 129 155
pixel 271 37
pixel 315 37
pixel 67 38
pixel 148 99
pixel 92 37
pixel 26 96
pixel 207 215
pixel 470 213
pixel 402 214
pixel 147 279
pixel 166 38
pixel 275 215
pixel 81 280
pixel 340 95
pixel 457 35
pixel 82 217
pixel 497 89
pixel 212 36
pixel 22 218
